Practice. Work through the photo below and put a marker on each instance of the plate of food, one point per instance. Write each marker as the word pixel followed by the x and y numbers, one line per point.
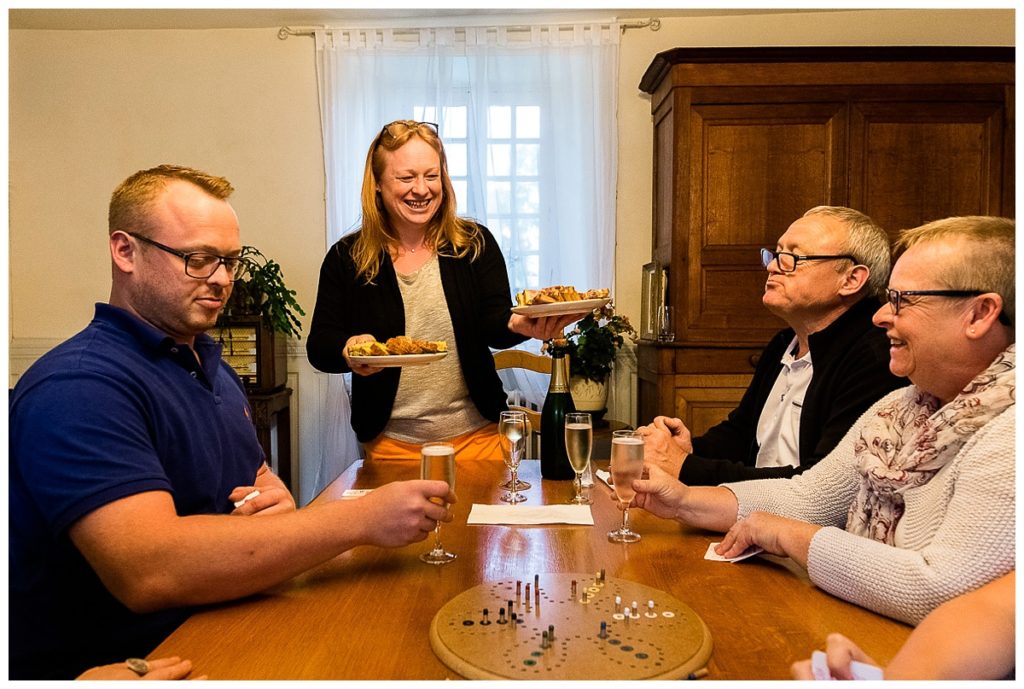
pixel 559 300
pixel 397 351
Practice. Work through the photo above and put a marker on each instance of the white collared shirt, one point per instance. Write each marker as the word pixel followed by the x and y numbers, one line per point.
pixel 778 429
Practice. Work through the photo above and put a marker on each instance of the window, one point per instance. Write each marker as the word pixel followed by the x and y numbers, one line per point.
pixel 511 183
pixel 528 122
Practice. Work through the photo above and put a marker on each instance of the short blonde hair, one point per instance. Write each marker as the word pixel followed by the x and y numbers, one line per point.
pixel 987 258
pixel 447 233
pixel 866 240
pixel 131 201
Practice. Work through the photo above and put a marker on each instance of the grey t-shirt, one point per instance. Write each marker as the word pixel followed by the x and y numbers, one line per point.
pixel 433 401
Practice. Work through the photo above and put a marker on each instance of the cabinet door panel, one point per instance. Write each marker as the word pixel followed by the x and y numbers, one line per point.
pixel 753 170
pixel 912 162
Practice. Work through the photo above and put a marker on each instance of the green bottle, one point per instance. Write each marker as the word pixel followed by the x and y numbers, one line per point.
pixel 554 461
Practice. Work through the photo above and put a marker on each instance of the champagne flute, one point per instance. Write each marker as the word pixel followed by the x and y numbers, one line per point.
pixel 512 438
pixel 627 466
pixel 579 437
pixel 437 463
pixel 520 484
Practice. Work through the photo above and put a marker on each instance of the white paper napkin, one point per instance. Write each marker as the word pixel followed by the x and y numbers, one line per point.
pixel 536 514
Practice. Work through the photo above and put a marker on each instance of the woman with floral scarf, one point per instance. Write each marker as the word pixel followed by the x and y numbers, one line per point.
pixel 916 505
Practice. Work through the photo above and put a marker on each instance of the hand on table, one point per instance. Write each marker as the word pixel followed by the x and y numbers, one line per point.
pixel 404 512
pixel 160 668
pixel 360 369
pixel 776 535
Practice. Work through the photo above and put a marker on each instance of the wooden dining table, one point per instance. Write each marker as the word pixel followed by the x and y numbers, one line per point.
pixel 366 613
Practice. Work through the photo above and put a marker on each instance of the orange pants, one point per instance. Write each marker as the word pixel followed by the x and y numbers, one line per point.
pixel 479 444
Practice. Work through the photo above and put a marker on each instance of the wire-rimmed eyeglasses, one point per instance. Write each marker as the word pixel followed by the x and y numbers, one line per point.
pixel 199 264
pixel 788 261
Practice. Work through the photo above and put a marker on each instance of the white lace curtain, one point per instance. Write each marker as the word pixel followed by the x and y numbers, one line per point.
pixel 555 221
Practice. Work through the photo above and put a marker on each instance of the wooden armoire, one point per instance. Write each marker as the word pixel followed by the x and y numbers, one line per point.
pixel 746 140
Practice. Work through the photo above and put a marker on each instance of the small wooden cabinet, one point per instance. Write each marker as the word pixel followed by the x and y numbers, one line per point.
pixel 256 351
pixel 746 140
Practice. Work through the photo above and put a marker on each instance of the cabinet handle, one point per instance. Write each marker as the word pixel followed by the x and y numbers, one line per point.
pixel 754 359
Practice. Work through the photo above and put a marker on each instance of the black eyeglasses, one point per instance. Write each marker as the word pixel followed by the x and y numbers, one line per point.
pixel 788 261
pixel 394 131
pixel 201 265
pixel 895 296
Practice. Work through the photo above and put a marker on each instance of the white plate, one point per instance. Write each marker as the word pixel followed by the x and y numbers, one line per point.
pixel 397 360
pixel 561 308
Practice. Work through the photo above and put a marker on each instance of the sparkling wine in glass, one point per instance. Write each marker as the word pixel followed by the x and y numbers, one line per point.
pixel 519 483
pixel 579 437
pixel 437 463
pixel 512 438
pixel 627 466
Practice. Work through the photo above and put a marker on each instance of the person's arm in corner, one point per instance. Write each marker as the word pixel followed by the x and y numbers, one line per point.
pixel 969 637
pixel 149 558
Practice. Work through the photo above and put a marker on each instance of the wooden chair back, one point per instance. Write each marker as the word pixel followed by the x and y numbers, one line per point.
pixel 517 358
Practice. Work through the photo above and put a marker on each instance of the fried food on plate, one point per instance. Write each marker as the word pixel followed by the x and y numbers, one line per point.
pixel 397 346
pixel 368 349
pixel 557 293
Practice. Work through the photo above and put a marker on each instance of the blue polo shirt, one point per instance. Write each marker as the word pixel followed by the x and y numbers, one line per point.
pixel 116 410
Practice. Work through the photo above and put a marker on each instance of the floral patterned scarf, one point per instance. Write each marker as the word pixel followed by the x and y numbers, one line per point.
pixel 912 437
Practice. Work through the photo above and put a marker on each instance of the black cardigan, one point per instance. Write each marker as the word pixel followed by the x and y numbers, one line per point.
pixel 850 360
pixel 479 301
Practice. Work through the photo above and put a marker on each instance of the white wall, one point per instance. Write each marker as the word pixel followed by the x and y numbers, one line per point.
pixel 87 108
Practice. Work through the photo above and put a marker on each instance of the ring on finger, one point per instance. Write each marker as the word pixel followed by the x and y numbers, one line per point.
pixel 137 665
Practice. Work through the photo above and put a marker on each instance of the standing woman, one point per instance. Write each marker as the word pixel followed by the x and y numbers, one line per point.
pixel 414 268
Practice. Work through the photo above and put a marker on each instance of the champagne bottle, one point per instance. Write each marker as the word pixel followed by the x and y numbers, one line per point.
pixel 554 461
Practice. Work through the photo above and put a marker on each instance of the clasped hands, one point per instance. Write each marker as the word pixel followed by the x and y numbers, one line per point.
pixel 667 443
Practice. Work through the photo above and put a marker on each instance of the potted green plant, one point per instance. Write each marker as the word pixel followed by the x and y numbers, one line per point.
pixel 259 317
pixel 592 346
pixel 262 291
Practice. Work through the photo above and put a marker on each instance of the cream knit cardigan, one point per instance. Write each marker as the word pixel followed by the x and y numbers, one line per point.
pixel 956 534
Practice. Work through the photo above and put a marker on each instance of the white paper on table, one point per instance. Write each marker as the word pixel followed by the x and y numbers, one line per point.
pixel 606 477
pixel 537 514
pixel 749 552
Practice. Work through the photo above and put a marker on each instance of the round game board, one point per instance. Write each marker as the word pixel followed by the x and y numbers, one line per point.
pixel 666 641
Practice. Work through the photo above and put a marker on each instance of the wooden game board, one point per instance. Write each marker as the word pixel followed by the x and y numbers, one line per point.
pixel 668 641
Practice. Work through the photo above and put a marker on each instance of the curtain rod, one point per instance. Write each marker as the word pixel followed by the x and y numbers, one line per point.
pixel 285 31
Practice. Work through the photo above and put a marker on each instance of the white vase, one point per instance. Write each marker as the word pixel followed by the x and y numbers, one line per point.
pixel 588 395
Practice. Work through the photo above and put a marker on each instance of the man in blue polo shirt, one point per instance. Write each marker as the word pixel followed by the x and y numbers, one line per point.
pixel 131 442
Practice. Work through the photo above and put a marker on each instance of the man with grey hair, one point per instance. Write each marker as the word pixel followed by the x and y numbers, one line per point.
pixel 816 377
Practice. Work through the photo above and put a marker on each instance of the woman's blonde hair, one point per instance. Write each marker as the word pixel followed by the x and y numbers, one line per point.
pixel 446 235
